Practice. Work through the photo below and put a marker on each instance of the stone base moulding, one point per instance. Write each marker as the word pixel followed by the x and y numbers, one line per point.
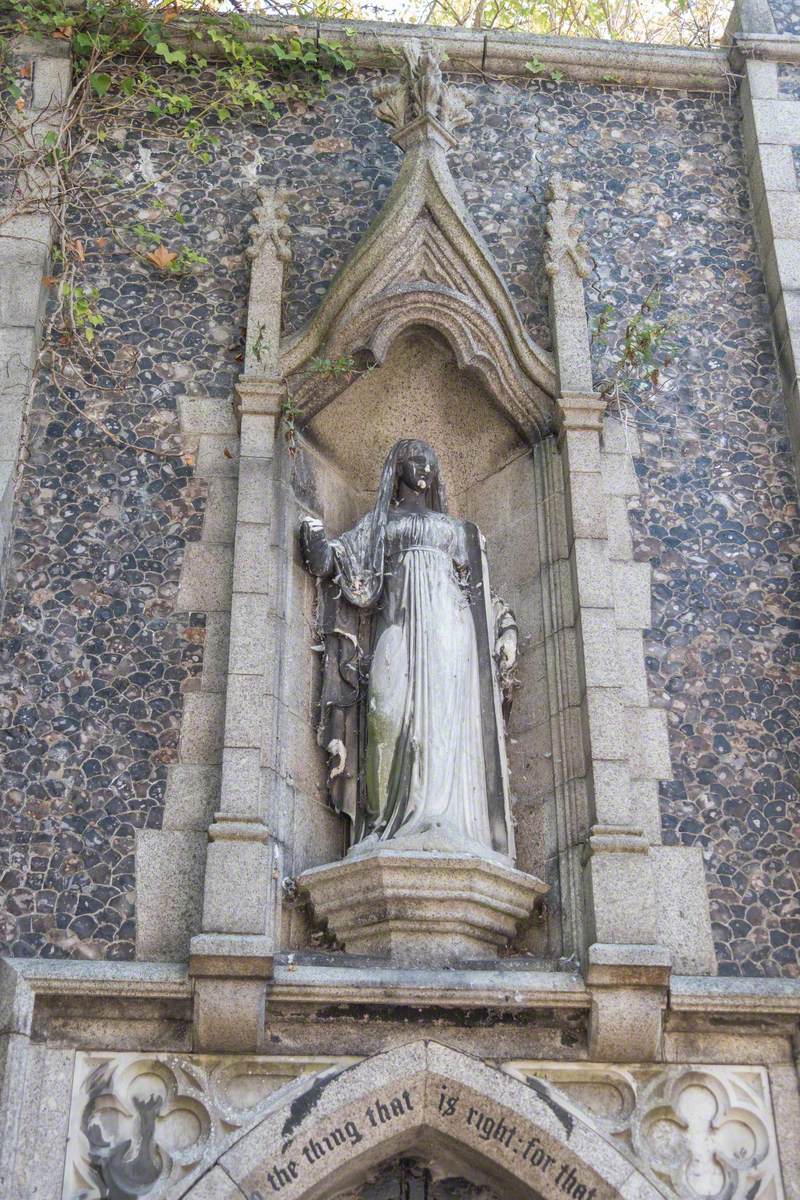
pixel 422 907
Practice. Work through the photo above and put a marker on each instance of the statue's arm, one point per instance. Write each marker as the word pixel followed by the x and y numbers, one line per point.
pixel 317 551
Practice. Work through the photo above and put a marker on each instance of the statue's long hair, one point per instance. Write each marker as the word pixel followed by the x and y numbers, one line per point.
pixel 360 553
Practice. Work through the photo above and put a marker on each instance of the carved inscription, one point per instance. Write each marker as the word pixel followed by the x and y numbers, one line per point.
pixel 529 1150
pixel 381 1112
pixel 534 1157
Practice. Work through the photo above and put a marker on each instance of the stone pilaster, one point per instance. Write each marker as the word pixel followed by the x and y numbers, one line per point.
pixel 769 64
pixel 25 243
pixel 621 950
pixel 232 958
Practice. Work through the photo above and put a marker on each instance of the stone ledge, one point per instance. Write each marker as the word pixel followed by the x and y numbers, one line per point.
pixel 719 993
pixel 310 985
pixel 231 956
pixel 634 965
pixel 767 47
pixel 66 977
pixel 376 44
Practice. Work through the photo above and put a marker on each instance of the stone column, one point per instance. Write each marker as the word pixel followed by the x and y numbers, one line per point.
pixel 770 98
pixel 621 948
pixel 232 959
pixel 25 243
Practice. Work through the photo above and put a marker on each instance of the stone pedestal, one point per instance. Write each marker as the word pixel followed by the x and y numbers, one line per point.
pixel 421 908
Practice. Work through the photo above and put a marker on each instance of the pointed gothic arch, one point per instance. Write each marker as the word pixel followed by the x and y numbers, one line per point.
pixel 423 262
pixel 339 1125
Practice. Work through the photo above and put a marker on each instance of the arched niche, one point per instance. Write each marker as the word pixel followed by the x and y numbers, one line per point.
pixel 498 475
pixel 524 1142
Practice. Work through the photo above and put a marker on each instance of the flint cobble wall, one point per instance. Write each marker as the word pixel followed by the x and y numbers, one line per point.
pixel 95 659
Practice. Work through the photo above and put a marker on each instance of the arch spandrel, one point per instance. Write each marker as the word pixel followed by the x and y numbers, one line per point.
pixel 424 1096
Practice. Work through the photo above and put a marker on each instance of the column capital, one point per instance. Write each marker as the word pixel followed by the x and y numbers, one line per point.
pixel 260 395
pixel 579 410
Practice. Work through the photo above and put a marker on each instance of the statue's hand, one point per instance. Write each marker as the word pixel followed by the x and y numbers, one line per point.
pixel 337 755
pixel 313 542
pixel 505 649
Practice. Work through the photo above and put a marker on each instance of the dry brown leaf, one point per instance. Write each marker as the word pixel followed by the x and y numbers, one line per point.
pixel 25 71
pixel 161 257
pixel 226 452
pixel 20 105
pixel 77 248
pixel 64 33
pixel 101 243
pixel 48 280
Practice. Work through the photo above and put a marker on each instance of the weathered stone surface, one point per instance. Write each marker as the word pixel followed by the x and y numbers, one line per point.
pixel 718 447
pixel 420 907
pixel 425 1090
pixel 170 867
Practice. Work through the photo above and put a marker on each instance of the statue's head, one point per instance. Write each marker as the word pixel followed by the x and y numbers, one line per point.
pixel 416 464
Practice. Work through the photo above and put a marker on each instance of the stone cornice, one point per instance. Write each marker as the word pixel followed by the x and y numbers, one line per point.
pixel 68 977
pixel 377 45
pixel 503 53
pixel 307 985
pixel 764 47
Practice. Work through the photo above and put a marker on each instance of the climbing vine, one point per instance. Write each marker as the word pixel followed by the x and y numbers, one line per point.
pixel 177 65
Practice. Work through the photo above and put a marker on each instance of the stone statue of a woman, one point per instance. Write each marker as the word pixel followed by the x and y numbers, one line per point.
pixel 417 657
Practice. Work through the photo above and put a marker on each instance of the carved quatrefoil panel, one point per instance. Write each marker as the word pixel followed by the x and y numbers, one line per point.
pixel 700 1132
pixel 140 1124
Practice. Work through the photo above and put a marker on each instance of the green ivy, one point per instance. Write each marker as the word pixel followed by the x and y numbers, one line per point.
pixel 117 44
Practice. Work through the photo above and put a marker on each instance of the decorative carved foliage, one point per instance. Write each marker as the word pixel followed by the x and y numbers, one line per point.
pixel 421 91
pixel 563 247
pixel 141 1123
pixel 702 1133
pixel 270 231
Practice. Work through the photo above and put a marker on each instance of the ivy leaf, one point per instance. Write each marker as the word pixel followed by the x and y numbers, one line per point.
pixel 171 56
pixel 100 82
pixel 162 258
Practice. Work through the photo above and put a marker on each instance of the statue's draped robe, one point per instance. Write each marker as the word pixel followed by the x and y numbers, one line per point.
pixel 409 688
pixel 425 767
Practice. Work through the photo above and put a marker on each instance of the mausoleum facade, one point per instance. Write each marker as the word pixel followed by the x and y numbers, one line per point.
pixel 399 760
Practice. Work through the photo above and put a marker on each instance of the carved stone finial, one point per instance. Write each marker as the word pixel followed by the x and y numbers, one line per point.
pixel 421 94
pixel 563 243
pixel 270 224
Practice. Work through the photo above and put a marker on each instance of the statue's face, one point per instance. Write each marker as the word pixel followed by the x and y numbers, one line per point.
pixel 416 471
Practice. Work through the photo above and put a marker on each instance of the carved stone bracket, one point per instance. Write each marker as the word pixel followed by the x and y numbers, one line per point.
pixel 564 249
pixel 269 252
pixel 270 232
pixel 567 264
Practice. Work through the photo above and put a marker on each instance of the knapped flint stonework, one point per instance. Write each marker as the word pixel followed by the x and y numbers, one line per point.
pixel 785 16
pixel 665 196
